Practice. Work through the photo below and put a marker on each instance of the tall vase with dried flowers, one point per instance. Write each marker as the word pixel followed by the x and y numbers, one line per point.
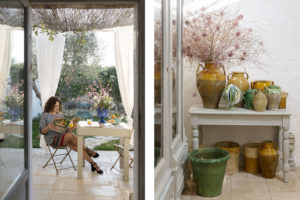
pixel 216 39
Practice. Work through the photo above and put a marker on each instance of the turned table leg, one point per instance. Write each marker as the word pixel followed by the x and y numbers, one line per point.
pixel 292 148
pixel 195 137
pixel 279 167
pixel 285 153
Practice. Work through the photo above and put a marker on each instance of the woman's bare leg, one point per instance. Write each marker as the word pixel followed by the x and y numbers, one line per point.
pixel 69 137
pixel 85 155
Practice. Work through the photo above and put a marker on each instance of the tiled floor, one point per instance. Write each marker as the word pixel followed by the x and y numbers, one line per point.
pixel 244 186
pixel 109 186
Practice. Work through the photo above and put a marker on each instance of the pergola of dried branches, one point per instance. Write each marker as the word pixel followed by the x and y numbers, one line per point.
pixel 70 19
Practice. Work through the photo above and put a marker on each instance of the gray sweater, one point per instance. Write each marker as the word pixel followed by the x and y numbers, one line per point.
pixel 46 119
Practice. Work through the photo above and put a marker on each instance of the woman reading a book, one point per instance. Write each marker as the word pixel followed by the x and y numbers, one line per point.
pixel 56 136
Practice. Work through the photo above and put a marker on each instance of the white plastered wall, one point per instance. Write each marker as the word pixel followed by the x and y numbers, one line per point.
pixel 279 23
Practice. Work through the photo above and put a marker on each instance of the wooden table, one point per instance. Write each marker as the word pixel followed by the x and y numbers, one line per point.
pixel 122 130
pixel 243 117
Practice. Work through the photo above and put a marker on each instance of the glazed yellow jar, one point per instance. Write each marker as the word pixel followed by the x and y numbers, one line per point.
pixel 268 158
pixel 282 104
pixel 211 81
pixel 240 79
pixel 261 84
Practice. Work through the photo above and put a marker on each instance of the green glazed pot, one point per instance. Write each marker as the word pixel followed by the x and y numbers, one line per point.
pixel 248 96
pixel 209 166
pixel 272 89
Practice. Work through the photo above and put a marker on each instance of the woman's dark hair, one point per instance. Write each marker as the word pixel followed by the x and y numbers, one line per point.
pixel 51 103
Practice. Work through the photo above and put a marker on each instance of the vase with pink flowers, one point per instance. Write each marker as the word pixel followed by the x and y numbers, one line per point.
pixel 218 38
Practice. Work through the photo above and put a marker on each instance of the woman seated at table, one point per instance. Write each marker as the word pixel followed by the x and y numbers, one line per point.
pixel 54 138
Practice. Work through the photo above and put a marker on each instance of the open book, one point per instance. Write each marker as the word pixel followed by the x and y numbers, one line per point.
pixel 64 123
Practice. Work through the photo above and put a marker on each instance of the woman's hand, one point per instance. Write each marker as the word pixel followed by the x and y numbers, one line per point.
pixel 51 126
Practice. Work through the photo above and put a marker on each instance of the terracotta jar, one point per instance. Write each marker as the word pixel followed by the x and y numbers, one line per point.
pixel 268 158
pixel 261 84
pixel 274 95
pixel 282 104
pixel 259 101
pixel 210 83
pixel 251 158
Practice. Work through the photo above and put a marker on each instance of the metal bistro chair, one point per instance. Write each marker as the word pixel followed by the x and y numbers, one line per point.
pixel 53 154
pixel 120 149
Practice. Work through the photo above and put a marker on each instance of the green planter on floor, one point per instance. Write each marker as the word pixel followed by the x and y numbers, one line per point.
pixel 209 166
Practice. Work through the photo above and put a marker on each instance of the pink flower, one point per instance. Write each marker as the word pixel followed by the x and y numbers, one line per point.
pixel 240 17
pixel 194 94
pixel 204 34
pixel 237 46
pixel 203 9
pixel 242 58
pixel 222 13
pixel 238 33
pixel 230 54
pixel 218 28
pixel 249 30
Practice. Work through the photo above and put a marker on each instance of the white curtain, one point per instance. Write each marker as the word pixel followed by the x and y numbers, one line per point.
pixel 5 59
pixel 5 56
pixel 124 66
pixel 49 62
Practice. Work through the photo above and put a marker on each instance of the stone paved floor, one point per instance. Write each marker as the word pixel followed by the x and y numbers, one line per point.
pixel 245 186
pixel 110 185
pixel 47 185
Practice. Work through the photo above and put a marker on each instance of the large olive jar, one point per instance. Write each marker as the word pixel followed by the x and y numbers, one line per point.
pixel 268 158
pixel 211 81
pixel 259 101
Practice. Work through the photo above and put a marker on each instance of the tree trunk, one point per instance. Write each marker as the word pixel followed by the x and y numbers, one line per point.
pixel 36 91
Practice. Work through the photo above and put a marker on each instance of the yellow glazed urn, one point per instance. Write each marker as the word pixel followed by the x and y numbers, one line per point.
pixel 240 79
pixel 261 84
pixel 268 158
pixel 211 81
pixel 282 104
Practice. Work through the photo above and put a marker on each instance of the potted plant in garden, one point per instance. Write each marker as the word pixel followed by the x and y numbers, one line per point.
pixel 101 100
pixel 14 100
pixel 216 39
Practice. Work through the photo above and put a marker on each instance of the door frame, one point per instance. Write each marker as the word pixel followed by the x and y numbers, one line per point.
pixel 139 88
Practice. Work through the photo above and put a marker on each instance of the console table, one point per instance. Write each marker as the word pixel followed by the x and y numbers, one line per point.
pixel 242 117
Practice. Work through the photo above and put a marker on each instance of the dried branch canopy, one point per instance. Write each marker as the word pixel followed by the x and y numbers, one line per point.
pixel 68 19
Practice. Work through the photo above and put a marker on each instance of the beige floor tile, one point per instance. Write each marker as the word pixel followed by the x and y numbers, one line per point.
pixel 105 180
pixel 286 196
pixel 244 182
pixel 242 195
pixel 186 197
pixel 101 191
pixel 276 185
pixel 108 198
pixel 42 192
pixel 44 180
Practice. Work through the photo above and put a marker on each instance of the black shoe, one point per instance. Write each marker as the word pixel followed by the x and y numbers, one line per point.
pixel 91 153
pixel 95 167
